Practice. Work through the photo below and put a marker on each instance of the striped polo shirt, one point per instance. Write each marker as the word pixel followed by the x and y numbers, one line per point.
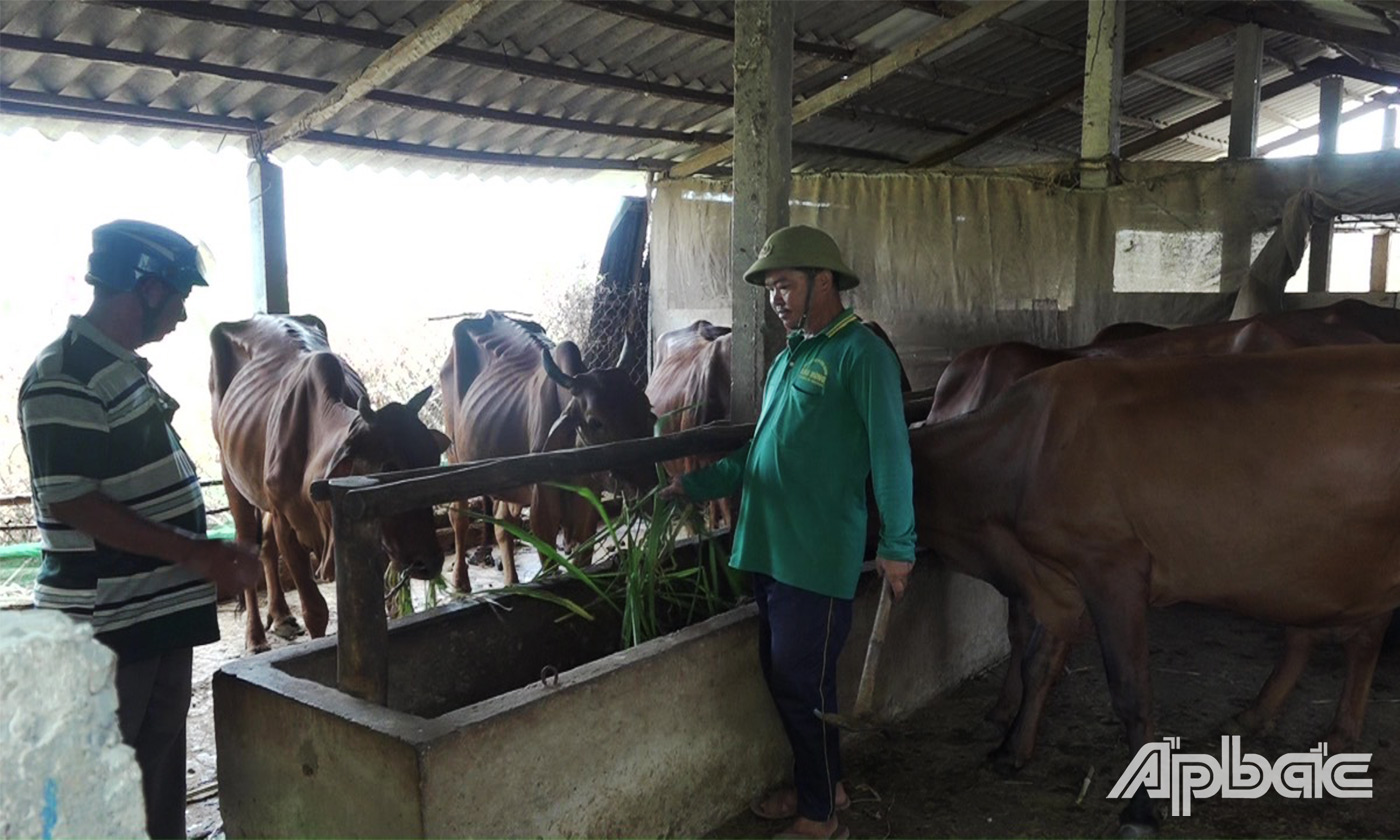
pixel 93 420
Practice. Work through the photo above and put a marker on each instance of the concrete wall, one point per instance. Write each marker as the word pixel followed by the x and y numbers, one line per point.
pixel 66 771
pixel 672 737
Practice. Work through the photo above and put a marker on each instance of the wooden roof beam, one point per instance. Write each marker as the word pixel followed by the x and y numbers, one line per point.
pixel 710 29
pixel 1309 75
pixel 862 80
pixel 70 107
pixel 400 57
pixel 1163 48
pixel 1377 103
pixel 495 60
pixel 1269 18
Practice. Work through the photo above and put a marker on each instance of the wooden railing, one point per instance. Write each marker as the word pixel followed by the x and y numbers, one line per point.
pixel 358 503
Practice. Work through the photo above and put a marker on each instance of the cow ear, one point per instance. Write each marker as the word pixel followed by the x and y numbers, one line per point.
pixel 564 432
pixel 442 440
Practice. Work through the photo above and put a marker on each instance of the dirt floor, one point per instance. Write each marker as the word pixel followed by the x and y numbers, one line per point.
pixel 927 776
pixel 202 817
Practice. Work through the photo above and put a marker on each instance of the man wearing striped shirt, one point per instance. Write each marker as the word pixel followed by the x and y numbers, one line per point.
pixel 118 503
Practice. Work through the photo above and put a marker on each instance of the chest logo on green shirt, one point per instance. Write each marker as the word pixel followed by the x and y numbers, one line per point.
pixel 813 375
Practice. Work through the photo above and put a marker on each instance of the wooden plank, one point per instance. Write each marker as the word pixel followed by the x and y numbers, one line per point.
pixel 362 629
pixel 857 82
pixel 422 41
pixel 1163 48
pixel 390 494
pixel 1380 260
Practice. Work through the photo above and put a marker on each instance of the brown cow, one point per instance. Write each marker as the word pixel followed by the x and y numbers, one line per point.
pixel 1266 484
pixel 505 393
pixel 689 387
pixel 978 376
pixel 288 412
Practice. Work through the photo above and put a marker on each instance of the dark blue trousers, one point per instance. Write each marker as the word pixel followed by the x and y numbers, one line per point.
pixel 800 636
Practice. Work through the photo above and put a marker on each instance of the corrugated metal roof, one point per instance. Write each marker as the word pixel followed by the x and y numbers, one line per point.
pixel 639 84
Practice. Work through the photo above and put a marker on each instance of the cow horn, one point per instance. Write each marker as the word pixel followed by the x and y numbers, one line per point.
pixel 420 399
pixel 560 377
pixel 365 410
pixel 624 359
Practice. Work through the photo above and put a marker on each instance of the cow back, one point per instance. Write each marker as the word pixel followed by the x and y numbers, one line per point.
pixel 1262 483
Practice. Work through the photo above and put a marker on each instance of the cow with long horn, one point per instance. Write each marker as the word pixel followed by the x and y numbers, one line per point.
pixel 507 392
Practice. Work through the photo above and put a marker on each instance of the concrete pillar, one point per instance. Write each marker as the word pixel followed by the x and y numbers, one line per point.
pixel 1388 128
pixel 1329 112
pixel 269 221
pixel 762 184
pixel 1244 100
pixel 1103 87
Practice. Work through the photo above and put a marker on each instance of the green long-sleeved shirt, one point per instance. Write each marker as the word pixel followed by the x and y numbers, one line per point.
pixel 832 415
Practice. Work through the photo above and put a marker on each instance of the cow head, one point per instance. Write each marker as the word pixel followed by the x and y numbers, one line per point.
pixel 389 439
pixel 604 406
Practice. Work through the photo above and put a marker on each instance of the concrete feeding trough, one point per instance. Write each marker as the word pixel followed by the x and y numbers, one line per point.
pixel 668 738
pixel 493 718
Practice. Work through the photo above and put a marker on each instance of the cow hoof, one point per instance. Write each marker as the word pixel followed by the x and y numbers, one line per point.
pixel 500 565
pixel 286 628
pixel 1137 830
pixel 250 649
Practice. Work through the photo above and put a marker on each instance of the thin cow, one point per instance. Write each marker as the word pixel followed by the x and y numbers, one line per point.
pixel 507 392
pixel 288 412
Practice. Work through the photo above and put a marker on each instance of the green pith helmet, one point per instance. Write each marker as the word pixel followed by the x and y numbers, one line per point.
pixel 801 246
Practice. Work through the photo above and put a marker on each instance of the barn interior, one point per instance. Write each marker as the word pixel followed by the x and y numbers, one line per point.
pixel 995 170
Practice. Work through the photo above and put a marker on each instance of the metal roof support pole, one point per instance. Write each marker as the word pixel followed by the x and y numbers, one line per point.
pixel 1329 115
pixel 268 216
pixel 1103 89
pixel 1244 100
pixel 762 184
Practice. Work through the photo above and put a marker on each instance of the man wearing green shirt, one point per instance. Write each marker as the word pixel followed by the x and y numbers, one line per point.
pixel 832 415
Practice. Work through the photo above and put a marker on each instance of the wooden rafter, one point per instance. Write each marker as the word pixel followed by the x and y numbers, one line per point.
pixel 1269 18
pixel 710 29
pixel 496 60
pixel 1164 47
pixel 1220 111
pixel 400 57
pixel 69 107
pixel 905 54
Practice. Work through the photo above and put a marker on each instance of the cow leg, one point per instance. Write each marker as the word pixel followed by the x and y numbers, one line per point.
pixel 1297 648
pixel 1019 627
pixel 314 612
pixel 1118 603
pixel 505 513
pixel 1363 649
pixel 1044 659
pixel 461 523
pixel 245 530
